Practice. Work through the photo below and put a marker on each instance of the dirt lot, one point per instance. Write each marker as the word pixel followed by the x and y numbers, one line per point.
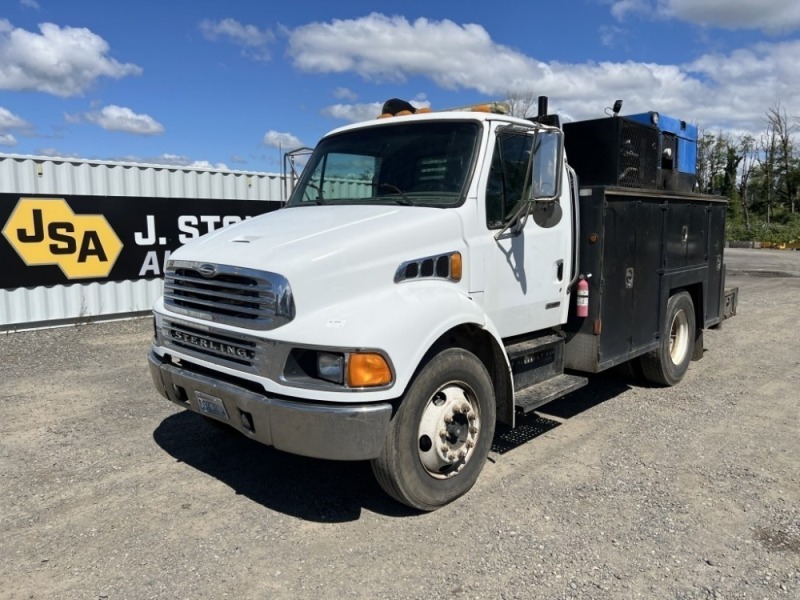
pixel 692 492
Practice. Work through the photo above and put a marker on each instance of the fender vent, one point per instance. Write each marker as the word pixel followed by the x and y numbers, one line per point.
pixel 432 266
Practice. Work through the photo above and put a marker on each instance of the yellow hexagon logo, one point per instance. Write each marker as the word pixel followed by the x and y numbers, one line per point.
pixel 45 231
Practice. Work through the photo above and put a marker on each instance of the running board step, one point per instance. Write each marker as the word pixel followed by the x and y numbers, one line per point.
pixel 546 391
pixel 536 360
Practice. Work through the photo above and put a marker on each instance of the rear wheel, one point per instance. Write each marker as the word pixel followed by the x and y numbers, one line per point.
pixel 441 434
pixel 668 364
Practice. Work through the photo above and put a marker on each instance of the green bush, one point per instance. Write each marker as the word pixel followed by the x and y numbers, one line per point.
pixel 760 231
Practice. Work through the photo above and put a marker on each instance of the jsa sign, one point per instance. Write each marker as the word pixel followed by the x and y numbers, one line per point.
pixel 45 231
pixel 50 241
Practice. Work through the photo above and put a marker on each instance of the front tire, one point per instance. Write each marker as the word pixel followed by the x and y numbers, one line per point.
pixel 668 364
pixel 441 435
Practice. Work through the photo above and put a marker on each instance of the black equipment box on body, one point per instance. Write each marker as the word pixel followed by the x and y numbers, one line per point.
pixel 640 247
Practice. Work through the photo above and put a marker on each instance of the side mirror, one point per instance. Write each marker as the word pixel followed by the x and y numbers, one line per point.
pixel 546 167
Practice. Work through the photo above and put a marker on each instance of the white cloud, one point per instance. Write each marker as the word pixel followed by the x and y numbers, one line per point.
pixel 353 112
pixel 609 35
pixel 363 111
pixel 60 61
pixel 55 153
pixel 730 91
pixel 768 15
pixel 251 38
pixel 9 120
pixel 285 141
pixel 204 164
pixel 120 118
pixel 343 93
pixel 740 86
pixel 30 4
pixel 6 139
pixel 621 8
pixel 453 56
pixel 169 160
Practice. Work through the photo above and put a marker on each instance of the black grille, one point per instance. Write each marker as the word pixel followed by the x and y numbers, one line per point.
pixel 638 152
pixel 614 151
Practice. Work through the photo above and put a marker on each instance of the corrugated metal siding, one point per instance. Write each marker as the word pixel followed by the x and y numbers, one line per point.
pixel 39 307
pixel 32 175
pixel 43 306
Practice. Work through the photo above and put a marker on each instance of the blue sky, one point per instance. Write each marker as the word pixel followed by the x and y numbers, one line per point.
pixel 232 84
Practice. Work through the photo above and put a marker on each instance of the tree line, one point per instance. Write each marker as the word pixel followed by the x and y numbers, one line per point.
pixel 759 174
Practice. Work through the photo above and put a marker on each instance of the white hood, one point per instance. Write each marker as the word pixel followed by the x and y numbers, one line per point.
pixel 331 253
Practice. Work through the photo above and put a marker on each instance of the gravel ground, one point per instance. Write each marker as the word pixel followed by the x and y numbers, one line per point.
pixel 621 491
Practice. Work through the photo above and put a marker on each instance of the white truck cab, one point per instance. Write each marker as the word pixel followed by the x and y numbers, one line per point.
pixel 410 294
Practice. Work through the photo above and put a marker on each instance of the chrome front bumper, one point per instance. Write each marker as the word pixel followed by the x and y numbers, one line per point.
pixel 331 431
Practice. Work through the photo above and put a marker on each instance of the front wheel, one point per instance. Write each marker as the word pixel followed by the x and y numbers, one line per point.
pixel 668 364
pixel 442 433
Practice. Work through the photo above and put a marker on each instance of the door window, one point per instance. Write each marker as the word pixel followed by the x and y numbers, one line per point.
pixel 507 177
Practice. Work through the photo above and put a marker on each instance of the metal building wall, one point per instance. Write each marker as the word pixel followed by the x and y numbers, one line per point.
pixel 24 308
pixel 32 175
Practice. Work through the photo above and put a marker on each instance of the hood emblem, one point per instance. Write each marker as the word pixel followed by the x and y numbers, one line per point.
pixel 207 270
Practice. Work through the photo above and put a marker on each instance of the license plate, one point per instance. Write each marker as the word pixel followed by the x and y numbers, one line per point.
pixel 211 405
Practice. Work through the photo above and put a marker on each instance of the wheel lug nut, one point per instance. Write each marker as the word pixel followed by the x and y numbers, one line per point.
pixel 465 408
pixel 470 444
pixel 472 416
pixel 462 454
pixel 473 430
pixel 451 457
pixel 448 419
pixel 445 448
pixel 442 433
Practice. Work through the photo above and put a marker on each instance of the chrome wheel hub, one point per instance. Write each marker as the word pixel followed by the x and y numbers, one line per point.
pixel 448 431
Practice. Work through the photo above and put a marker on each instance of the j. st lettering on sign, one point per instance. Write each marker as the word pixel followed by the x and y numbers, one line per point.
pixel 188 226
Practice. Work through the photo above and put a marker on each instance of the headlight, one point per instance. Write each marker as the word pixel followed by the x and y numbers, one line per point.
pixel 356 369
pixel 330 366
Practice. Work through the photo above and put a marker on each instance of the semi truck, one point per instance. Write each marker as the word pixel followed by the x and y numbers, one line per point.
pixel 434 274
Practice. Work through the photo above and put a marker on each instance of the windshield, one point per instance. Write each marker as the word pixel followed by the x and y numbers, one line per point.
pixel 423 163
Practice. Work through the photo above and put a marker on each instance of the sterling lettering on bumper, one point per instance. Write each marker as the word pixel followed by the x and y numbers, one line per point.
pixel 201 342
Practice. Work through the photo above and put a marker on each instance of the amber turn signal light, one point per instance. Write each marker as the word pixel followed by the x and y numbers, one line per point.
pixel 368 369
pixel 455 266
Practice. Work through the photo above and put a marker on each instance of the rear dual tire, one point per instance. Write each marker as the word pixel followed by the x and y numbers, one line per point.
pixel 669 362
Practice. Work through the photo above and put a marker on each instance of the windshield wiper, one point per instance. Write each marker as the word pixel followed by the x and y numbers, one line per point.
pixel 320 198
pixel 403 199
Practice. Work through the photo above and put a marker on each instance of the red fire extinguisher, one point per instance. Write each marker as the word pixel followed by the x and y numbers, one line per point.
pixel 582 301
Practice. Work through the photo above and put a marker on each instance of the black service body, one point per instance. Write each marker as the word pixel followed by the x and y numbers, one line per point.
pixel 641 246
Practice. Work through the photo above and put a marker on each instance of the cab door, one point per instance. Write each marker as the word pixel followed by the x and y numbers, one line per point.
pixel 527 270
